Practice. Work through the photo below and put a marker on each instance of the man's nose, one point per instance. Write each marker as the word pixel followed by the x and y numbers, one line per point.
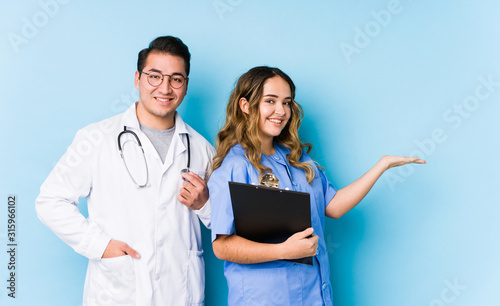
pixel 165 87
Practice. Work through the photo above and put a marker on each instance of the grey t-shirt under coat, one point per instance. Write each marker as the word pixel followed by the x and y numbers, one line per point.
pixel 161 139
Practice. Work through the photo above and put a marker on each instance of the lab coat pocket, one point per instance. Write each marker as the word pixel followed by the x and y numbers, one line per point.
pixel 195 277
pixel 111 281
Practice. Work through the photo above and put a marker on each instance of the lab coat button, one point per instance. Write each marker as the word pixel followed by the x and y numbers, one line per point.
pixel 157 276
pixel 324 286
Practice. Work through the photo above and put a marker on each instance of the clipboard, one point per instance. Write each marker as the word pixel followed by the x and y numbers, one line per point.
pixel 270 215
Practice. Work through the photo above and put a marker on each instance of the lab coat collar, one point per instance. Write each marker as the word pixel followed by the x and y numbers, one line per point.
pixel 177 146
pixel 180 126
pixel 129 118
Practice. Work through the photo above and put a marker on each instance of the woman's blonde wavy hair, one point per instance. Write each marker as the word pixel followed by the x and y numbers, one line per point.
pixel 243 128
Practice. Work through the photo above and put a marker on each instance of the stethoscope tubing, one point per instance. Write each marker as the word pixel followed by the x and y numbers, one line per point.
pixel 137 185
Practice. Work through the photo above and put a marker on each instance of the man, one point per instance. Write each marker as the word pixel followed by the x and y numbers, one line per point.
pixel 142 235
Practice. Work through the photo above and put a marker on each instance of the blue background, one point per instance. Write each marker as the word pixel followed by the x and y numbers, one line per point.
pixel 371 82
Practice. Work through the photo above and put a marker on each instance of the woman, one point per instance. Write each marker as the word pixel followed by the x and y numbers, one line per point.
pixel 260 136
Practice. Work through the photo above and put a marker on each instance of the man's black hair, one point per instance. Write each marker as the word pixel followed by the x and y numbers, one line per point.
pixel 168 45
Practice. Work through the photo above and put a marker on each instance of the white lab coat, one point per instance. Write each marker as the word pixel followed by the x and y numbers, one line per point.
pixel 151 220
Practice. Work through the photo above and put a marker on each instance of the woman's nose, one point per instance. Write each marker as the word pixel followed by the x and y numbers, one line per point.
pixel 280 109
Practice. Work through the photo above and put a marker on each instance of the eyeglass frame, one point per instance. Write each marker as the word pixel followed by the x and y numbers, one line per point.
pixel 163 77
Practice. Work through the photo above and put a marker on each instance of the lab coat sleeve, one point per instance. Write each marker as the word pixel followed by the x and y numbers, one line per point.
pixel 204 213
pixel 56 206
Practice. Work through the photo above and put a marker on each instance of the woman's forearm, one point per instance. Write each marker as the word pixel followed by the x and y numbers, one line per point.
pixel 350 196
pixel 243 251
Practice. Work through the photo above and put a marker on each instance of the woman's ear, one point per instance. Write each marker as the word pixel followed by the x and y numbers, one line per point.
pixel 244 105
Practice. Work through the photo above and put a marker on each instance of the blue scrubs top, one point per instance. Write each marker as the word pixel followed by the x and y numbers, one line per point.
pixel 276 282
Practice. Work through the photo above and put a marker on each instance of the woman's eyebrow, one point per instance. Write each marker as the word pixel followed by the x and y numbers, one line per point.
pixel 275 96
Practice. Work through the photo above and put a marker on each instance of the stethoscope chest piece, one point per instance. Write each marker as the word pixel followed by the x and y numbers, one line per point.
pixel 270 180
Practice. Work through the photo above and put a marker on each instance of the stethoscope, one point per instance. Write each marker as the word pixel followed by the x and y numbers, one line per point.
pixel 146 184
pixel 270 180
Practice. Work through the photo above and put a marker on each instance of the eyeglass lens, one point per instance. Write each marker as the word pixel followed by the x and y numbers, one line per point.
pixel 176 80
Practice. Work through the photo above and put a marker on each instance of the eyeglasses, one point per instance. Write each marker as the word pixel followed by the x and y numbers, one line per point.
pixel 155 79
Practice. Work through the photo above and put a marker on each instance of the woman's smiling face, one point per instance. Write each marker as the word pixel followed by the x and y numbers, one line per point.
pixel 274 108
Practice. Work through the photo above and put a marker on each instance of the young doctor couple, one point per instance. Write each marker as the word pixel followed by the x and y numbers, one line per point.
pixel 142 234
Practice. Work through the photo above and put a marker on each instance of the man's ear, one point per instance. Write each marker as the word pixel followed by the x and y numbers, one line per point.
pixel 244 105
pixel 136 79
